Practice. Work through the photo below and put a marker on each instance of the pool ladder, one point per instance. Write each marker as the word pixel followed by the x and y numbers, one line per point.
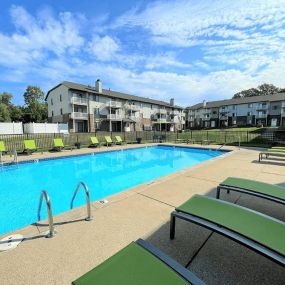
pixel 44 195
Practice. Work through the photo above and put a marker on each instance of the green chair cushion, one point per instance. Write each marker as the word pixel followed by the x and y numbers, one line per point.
pixel 94 140
pixel 2 146
pixel 118 138
pixel 108 139
pixel 256 186
pixel 263 229
pixel 133 265
pixel 58 142
pixel 30 145
pixel 274 153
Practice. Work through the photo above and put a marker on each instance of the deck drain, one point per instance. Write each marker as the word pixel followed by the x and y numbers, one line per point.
pixel 10 242
pixel 103 201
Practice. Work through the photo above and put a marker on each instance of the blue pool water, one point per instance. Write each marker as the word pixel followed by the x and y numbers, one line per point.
pixel 104 173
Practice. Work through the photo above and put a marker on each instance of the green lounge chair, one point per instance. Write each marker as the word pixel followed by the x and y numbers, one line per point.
pixel 268 153
pixel 2 147
pixel 267 191
pixel 119 140
pixel 278 147
pixel 254 230
pixel 29 146
pixel 108 140
pixel 139 263
pixel 59 145
pixel 94 141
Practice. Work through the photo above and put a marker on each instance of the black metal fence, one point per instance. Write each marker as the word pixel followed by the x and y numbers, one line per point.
pixel 45 141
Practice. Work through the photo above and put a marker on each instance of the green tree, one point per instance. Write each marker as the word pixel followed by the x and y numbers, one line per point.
pixel 35 106
pixel 16 113
pixel 5 98
pixel 4 113
pixel 263 89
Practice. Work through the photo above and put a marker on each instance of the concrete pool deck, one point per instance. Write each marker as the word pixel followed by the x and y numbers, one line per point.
pixel 143 212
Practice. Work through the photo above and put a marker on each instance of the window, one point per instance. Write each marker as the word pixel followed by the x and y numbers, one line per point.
pixel 234 114
pixel 60 98
pixel 249 113
pixel 249 105
pixel 52 113
pixel 214 112
pixel 61 111
pixel 234 107
pixel 51 102
pixel 274 107
pixel 151 107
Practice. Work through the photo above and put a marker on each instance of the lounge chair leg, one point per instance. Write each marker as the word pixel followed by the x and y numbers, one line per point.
pixel 218 192
pixel 172 226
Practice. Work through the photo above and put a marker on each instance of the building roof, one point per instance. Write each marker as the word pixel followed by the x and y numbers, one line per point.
pixel 111 93
pixel 246 100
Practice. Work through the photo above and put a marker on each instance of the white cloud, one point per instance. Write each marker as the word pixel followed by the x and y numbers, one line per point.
pixel 104 48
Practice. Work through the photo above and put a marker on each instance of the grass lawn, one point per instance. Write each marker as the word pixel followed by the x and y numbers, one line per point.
pixel 249 129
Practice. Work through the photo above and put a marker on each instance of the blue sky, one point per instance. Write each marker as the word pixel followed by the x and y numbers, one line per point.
pixel 190 50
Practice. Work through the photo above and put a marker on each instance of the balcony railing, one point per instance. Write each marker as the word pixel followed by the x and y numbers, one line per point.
pixel 79 116
pixel 261 116
pixel 262 107
pixel 161 111
pixel 133 118
pixel 175 113
pixel 114 104
pixel 131 107
pixel 79 101
pixel 114 117
pixel 223 118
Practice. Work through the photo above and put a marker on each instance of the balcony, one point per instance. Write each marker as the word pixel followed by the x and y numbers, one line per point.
pixel 223 118
pixel 175 113
pixel 114 117
pixel 161 111
pixel 79 101
pixel 79 116
pixel 114 105
pixel 262 107
pixel 261 116
pixel 133 118
pixel 134 108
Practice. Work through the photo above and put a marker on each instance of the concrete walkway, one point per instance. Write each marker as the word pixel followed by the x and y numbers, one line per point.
pixel 143 211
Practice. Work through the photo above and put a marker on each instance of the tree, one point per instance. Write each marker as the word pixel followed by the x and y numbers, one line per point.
pixel 4 113
pixel 16 113
pixel 263 89
pixel 5 98
pixel 35 106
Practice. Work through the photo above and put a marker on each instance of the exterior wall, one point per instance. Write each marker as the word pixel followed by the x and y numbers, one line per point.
pixel 54 103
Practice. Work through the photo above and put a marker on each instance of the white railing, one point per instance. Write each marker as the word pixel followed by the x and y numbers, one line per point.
pixel 131 107
pixel 175 113
pixel 114 104
pixel 79 115
pixel 114 117
pixel 262 106
pixel 161 111
pixel 134 118
pixel 261 116
pixel 79 101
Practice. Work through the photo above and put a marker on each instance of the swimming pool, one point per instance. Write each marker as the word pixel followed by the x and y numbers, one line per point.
pixel 104 173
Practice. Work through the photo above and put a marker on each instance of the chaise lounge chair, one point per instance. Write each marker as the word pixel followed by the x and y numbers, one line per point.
pixel 29 146
pixel 139 263
pixel 2 147
pixel 94 141
pixel 58 144
pixel 259 232
pixel 251 187
pixel 119 140
pixel 268 153
pixel 108 141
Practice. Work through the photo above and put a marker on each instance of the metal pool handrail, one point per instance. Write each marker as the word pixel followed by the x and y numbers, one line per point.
pixel 45 195
pixel 89 217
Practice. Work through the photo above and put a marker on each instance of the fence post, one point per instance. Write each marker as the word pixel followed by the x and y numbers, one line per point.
pixel 207 135
pixel 247 136
pixel 225 137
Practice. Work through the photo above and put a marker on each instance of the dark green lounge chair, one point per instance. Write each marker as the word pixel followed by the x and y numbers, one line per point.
pixel 139 263
pixel 254 230
pixel 268 153
pixel 108 141
pixel 119 140
pixel 259 189
pixel 94 141
pixel 29 146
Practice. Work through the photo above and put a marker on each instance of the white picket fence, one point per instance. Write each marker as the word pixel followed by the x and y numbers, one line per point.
pixel 32 128
pixel 45 128
pixel 11 128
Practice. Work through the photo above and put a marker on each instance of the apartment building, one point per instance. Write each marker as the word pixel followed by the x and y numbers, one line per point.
pixel 89 108
pixel 266 110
